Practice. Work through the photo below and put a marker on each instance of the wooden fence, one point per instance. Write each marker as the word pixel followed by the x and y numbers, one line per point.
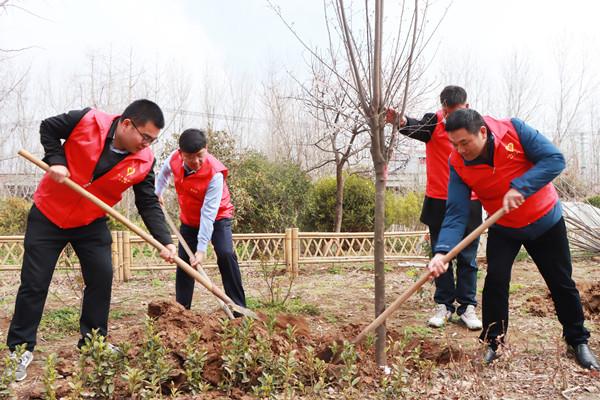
pixel 130 253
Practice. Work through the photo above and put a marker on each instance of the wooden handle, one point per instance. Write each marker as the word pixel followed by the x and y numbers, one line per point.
pixel 473 235
pixel 190 254
pixel 427 274
pixel 121 218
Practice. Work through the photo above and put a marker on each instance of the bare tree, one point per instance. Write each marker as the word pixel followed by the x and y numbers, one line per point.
pixel 520 86
pixel 291 130
pixel 461 67
pixel 375 83
pixel 575 84
pixel 329 104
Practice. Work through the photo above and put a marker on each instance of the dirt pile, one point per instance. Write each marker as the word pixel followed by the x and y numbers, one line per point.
pixel 282 335
pixel 174 324
pixel 590 299
pixel 542 306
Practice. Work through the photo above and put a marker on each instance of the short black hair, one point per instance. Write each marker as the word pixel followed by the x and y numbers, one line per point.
pixel 465 118
pixel 142 111
pixel 192 140
pixel 452 96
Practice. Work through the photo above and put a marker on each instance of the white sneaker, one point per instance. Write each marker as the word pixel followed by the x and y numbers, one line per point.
pixel 22 364
pixel 440 317
pixel 470 318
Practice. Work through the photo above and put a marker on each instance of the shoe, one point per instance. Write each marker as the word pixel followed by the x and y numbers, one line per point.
pixel 490 355
pixel 585 357
pixel 114 349
pixel 22 364
pixel 440 317
pixel 470 318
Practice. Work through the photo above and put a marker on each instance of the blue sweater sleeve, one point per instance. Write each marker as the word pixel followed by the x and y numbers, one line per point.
pixel 457 214
pixel 547 159
pixel 209 210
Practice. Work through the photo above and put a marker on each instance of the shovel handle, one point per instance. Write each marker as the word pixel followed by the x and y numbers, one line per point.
pixel 427 274
pixel 121 218
pixel 190 254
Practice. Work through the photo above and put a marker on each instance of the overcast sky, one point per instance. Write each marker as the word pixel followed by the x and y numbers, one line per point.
pixel 246 38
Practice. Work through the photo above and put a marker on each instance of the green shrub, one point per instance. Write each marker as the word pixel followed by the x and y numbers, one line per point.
pixel 359 205
pixel 594 200
pixel 276 193
pixel 13 215
pixel 403 209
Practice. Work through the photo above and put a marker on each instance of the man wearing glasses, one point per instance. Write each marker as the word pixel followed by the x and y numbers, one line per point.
pixel 106 154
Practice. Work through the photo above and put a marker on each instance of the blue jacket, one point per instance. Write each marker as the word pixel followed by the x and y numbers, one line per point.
pixel 548 164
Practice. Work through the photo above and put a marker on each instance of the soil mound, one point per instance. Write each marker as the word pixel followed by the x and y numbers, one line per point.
pixel 590 299
pixel 542 306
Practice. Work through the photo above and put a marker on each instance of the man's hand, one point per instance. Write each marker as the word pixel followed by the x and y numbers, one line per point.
pixel 161 201
pixel 198 259
pixel 168 254
pixel 59 173
pixel 437 266
pixel 391 117
pixel 512 199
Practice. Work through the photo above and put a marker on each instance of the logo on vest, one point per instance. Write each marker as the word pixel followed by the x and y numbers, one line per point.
pixel 510 147
pixel 131 170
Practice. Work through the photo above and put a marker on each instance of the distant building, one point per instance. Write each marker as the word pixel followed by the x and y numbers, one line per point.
pixel 407 168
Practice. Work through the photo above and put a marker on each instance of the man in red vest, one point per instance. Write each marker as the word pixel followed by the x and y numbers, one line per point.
pixel 106 154
pixel 510 165
pixel 205 211
pixel 432 131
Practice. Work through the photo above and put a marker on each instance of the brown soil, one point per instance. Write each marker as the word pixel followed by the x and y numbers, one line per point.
pixel 535 364
pixel 542 306
pixel 174 324
pixel 590 298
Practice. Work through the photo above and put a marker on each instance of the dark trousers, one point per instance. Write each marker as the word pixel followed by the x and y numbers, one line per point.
pixel 551 255
pixel 44 241
pixel 226 259
pixel 463 290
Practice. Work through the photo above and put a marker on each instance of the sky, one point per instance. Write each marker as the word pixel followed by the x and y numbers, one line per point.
pixel 245 38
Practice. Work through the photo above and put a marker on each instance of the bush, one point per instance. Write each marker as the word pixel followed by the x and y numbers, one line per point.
pixel 13 215
pixel 276 193
pixel 359 205
pixel 594 200
pixel 403 210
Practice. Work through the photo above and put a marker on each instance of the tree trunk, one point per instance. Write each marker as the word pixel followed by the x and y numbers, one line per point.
pixel 380 180
pixel 339 197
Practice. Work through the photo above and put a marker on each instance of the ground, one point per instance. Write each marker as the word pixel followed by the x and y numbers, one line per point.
pixel 335 301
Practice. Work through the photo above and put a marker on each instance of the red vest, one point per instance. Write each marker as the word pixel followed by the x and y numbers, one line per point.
pixel 437 151
pixel 490 183
pixel 191 189
pixel 83 148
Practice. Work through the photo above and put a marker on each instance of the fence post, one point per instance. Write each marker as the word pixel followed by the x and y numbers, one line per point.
pixel 126 256
pixel 295 251
pixel 120 254
pixel 115 255
pixel 287 250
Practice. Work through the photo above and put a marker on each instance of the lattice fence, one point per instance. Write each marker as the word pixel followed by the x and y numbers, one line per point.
pixel 131 253
pixel 348 247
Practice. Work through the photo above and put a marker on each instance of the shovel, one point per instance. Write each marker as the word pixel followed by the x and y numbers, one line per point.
pixel 328 354
pixel 190 254
pixel 146 236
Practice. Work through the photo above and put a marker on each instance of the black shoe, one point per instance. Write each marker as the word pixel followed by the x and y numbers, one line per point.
pixel 584 356
pixel 490 355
